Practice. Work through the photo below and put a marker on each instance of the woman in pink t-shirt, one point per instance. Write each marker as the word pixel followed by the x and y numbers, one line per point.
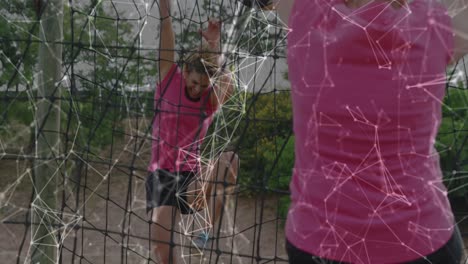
pixel 180 180
pixel 368 79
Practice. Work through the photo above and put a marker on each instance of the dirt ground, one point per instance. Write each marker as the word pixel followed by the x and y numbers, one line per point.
pixel 250 229
pixel 113 226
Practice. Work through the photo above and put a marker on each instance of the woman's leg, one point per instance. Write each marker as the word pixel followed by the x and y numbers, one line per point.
pixel 163 224
pixel 217 180
pixel 161 205
pixel 222 184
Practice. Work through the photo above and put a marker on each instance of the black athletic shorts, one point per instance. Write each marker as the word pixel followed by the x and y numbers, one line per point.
pixel 450 253
pixel 168 188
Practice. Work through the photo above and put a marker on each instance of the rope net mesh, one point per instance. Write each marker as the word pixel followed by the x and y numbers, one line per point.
pixel 107 80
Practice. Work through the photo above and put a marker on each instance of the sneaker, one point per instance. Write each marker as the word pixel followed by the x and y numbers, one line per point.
pixel 201 240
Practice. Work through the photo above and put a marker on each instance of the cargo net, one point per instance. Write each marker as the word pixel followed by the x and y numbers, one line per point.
pixel 74 160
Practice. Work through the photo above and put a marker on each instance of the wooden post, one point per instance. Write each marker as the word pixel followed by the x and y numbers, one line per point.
pixel 44 215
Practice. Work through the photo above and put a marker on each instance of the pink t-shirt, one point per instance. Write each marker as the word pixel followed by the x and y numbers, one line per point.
pixel 179 126
pixel 367 87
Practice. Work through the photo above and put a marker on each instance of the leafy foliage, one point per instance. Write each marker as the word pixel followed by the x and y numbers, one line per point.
pixel 452 142
pixel 266 145
pixel 18 27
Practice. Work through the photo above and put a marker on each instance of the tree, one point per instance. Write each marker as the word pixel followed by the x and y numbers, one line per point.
pixel 18 40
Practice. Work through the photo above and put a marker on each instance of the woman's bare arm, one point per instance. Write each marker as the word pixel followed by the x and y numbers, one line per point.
pixel 224 82
pixel 167 39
